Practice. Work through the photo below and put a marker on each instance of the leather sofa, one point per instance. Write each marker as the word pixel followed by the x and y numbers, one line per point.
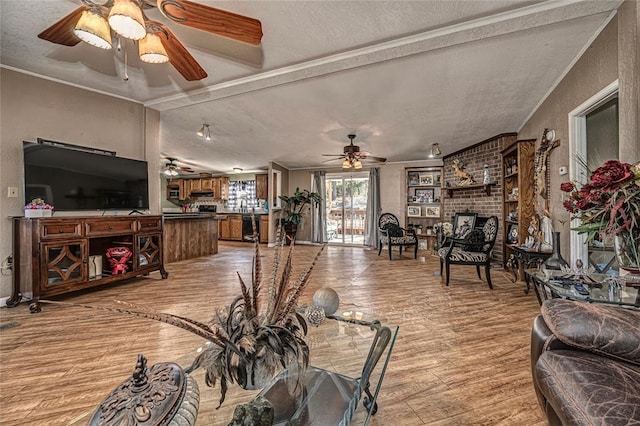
pixel 585 362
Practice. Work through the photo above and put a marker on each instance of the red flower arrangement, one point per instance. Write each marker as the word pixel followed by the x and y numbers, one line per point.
pixel 609 203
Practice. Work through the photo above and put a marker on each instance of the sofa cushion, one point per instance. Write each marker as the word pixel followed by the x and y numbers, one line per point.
pixel 587 389
pixel 606 330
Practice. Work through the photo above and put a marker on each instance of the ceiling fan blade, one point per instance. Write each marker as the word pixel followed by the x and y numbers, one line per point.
pixel 380 159
pixel 212 20
pixel 332 155
pixel 332 159
pixel 62 31
pixel 179 56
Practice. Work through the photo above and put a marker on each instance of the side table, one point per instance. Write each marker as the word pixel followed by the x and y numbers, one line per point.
pixel 525 258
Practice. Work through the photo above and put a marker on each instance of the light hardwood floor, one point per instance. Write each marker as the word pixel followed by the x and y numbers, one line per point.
pixel 461 357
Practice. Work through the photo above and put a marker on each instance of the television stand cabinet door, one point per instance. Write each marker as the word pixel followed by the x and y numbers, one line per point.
pixel 63 255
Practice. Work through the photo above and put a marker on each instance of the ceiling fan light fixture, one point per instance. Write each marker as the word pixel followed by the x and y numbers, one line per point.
pixel 171 171
pixel 435 151
pixel 93 29
pixel 125 18
pixel 357 165
pixel 151 50
pixel 204 132
pixel 346 164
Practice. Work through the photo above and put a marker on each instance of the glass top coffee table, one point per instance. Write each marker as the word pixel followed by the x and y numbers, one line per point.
pixel 340 351
pixel 594 288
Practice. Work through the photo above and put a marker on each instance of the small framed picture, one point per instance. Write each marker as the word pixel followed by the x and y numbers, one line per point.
pixel 512 235
pixel 432 212
pixel 463 224
pixel 425 195
pixel 414 178
pixel 413 211
pixel 426 179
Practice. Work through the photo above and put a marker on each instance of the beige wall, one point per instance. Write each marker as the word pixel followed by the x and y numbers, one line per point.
pixel 32 107
pixel 597 68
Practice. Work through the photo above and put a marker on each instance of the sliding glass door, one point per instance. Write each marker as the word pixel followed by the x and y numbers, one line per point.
pixel 346 207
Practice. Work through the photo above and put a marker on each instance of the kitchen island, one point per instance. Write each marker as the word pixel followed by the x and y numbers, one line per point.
pixel 189 235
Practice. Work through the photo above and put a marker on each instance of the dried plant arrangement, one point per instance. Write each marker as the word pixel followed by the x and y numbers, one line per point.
pixel 250 341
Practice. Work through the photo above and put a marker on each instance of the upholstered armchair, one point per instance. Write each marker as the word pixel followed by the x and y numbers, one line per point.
pixel 392 234
pixel 473 249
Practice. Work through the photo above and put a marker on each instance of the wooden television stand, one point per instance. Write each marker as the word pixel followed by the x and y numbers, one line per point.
pixel 61 254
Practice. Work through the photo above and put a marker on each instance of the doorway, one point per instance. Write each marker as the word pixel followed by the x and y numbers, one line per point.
pixel 346 207
pixel 593 138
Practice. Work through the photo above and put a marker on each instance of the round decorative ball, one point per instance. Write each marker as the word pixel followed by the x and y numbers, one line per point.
pixel 314 314
pixel 327 299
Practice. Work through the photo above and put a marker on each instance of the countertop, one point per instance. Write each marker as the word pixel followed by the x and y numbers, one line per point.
pixel 195 215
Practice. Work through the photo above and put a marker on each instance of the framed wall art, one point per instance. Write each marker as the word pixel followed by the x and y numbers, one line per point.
pixel 426 179
pixel 425 195
pixel 512 235
pixel 413 211
pixel 463 224
pixel 432 212
pixel 413 178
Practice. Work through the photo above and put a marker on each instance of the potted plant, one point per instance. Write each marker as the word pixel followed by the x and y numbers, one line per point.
pixel 293 209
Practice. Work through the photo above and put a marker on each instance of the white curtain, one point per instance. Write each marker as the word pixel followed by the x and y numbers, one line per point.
pixel 373 208
pixel 318 215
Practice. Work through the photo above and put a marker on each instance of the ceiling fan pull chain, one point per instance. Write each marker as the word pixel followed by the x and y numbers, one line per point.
pixel 126 76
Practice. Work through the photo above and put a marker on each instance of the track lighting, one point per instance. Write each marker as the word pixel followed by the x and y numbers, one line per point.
pixel 204 132
pixel 435 151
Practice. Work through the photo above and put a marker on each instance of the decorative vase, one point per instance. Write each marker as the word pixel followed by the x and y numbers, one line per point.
pixel 555 261
pixel 627 248
pixel 257 374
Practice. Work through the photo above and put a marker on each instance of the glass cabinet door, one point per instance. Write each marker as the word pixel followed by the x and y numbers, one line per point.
pixel 63 263
pixel 148 250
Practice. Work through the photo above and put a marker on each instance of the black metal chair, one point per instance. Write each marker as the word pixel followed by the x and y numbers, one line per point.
pixel 473 249
pixel 392 234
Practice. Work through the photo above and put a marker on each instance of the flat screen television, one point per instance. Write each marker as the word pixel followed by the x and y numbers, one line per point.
pixel 79 179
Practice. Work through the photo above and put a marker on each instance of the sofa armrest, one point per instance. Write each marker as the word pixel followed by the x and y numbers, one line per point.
pixel 542 339
pixel 605 330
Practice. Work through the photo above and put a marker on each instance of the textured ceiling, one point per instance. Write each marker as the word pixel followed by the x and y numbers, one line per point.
pixel 400 74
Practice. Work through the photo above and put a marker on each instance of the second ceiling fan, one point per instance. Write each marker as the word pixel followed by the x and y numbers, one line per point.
pixel 352 157
pixel 95 21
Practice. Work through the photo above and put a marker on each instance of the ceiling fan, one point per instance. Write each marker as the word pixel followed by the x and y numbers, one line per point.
pixel 171 169
pixel 96 21
pixel 352 156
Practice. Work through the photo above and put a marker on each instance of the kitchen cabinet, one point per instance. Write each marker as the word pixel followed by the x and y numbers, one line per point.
pixel 231 228
pixel 224 229
pixel 195 185
pixel 207 184
pixel 181 189
pixel 264 228
pixel 235 226
pixel 60 253
pixel 224 188
pixel 262 186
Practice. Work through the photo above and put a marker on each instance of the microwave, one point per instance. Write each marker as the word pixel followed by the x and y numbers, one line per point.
pixel 173 193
